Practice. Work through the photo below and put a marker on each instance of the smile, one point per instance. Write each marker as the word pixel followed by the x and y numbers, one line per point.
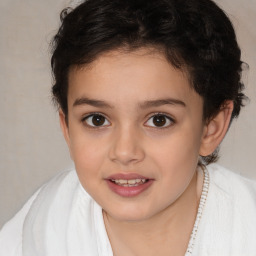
pixel 129 183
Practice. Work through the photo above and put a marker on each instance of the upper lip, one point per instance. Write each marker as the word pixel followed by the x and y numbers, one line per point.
pixel 126 176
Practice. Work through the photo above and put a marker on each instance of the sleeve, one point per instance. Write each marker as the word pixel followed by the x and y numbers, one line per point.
pixel 11 233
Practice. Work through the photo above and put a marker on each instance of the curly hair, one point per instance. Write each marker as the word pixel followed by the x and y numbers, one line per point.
pixel 194 35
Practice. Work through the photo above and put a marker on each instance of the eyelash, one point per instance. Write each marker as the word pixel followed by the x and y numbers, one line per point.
pixel 167 117
pixel 84 119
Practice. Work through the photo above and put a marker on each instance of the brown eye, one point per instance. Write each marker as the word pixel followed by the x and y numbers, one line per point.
pixel 96 120
pixel 160 121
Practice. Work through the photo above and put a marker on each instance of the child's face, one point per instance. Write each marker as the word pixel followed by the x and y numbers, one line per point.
pixel 133 116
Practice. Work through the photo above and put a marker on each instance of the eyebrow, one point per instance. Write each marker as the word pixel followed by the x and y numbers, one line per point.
pixel 144 105
pixel 161 102
pixel 91 102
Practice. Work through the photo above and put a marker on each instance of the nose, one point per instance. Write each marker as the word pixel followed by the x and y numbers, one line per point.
pixel 127 146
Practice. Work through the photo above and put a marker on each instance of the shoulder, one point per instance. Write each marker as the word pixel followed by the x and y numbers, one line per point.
pixel 232 184
pixel 228 223
pixel 233 190
pixel 11 232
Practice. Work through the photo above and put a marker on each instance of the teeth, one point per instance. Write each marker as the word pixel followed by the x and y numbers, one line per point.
pixel 129 183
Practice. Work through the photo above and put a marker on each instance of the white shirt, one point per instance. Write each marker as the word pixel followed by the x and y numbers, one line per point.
pixel 61 219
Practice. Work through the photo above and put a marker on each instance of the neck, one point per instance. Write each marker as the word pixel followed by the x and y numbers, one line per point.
pixel 166 233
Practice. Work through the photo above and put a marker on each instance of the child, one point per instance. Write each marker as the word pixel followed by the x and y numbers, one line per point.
pixel 146 92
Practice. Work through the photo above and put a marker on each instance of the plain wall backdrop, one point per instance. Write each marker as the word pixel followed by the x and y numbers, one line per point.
pixel 31 145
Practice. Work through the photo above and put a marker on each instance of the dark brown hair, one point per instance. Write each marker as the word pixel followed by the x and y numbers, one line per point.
pixel 195 35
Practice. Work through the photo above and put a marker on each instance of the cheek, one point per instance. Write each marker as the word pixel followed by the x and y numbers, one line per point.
pixel 177 156
pixel 177 167
pixel 88 155
pixel 177 149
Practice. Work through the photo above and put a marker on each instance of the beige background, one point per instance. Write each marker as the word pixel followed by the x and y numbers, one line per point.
pixel 31 145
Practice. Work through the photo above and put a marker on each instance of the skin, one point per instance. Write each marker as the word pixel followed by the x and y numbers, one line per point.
pixel 129 89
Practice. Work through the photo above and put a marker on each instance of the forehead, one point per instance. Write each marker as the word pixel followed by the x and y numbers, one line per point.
pixel 120 77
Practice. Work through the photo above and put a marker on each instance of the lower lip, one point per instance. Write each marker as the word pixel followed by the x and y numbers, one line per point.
pixel 129 191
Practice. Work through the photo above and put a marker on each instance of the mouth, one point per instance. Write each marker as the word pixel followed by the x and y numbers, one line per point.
pixel 128 185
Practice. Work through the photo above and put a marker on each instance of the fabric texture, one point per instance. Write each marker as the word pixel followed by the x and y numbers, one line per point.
pixel 61 219
pixel 228 224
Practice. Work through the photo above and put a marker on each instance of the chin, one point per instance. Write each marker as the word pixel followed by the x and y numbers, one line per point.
pixel 130 215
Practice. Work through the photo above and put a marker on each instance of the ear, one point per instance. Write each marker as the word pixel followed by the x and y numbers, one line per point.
pixel 64 127
pixel 215 129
